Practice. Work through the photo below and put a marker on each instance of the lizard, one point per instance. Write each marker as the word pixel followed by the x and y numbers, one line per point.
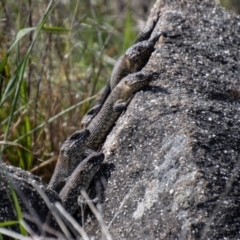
pixel 71 154
pixel 90 139
pixel 147 31
pixel 79 180
pixel 112 108
pixel 132 61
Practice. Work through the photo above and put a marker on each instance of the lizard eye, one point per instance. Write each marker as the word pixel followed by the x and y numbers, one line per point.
pixel 128 82
pixel 80 134
pixel 63 151
pixel 138 49
pixel 75 136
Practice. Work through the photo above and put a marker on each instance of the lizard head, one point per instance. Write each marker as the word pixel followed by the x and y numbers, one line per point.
pixel 74 146
pixel 92 162
pixel 70 154
pixel 136 81
pixel 88 168
pixel 138 54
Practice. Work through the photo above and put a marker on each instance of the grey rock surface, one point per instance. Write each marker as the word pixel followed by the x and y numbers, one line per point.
pixel 176 149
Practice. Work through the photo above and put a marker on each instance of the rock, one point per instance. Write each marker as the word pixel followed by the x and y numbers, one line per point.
pixel 31 203
pixel 176 148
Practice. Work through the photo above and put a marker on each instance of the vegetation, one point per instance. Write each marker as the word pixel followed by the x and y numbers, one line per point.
pixel 53 58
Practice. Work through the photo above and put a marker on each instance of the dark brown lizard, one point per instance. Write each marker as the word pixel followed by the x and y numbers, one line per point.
pixel 71 154
pixel 79 180
pixel 132 61
pixel 80 144
pixel 117 101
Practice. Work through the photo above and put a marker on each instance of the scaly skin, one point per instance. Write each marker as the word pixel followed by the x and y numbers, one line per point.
pixel 80 180
pixel 74 173
pixel 134 59
pixel 71 154
pixel 117 101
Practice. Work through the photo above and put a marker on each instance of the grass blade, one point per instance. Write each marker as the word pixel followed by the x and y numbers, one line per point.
pixel 19 72
pixel 18 211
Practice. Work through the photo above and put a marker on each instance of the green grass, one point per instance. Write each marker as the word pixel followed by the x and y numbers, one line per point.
pixel 58 57
pixel 18 211
pixel 12 195
pixel 17 88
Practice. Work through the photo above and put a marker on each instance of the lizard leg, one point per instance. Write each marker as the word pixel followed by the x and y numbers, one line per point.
pixel 82 201
pixel 89 151
pixel 121 105
pixel 91 113
pixel 95 192
pixel 146 33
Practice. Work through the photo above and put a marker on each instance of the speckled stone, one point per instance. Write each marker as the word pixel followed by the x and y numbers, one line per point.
pixel 175 150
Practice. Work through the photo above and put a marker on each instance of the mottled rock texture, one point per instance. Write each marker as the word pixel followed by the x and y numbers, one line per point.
pixel 176 149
